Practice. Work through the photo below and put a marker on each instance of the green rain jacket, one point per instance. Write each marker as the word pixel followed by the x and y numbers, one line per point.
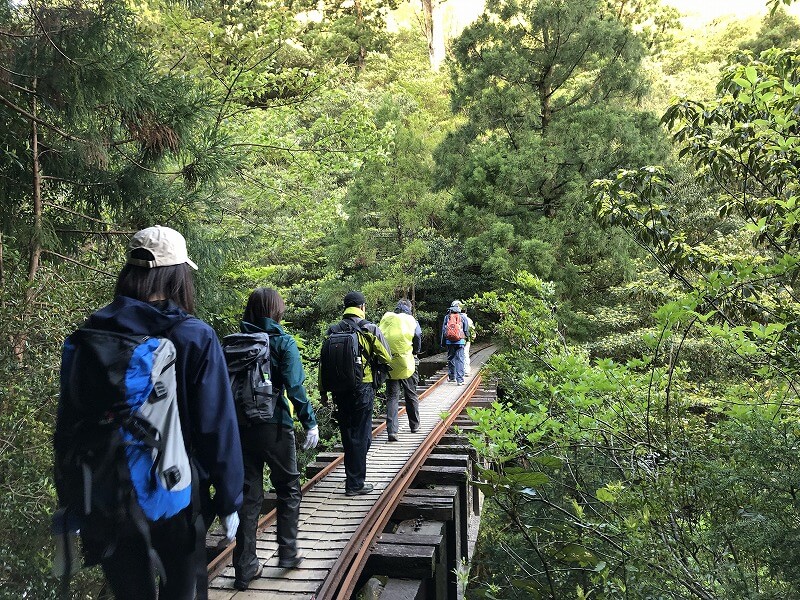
pixel 399 329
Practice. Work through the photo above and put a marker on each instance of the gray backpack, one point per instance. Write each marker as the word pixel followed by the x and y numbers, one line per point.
pixel 247 355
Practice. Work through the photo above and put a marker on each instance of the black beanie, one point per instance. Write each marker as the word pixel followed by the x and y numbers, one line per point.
pixel 354 299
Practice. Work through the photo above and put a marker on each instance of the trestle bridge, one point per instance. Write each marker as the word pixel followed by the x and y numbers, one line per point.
pixel 407 540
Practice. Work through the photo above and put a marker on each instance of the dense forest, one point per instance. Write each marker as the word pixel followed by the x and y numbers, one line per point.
pixel 614 197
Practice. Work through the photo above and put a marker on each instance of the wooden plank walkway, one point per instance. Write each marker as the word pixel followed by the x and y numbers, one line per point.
pixel 328 518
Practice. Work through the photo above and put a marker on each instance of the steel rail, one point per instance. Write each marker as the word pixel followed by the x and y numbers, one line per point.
pixel 218 564
pixel 346 570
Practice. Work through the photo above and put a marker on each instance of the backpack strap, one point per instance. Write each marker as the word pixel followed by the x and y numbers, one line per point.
pixel 142 526
pixel 374 365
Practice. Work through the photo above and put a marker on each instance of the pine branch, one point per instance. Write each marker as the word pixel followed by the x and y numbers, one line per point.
pixel 92 232
pixel 79 263
pixel 76 213
pixel 35 119
pixel 47 35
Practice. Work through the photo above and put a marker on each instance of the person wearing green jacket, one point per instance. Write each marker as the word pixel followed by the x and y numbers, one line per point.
pixel 404 335
pixel 354 407
pixel 273 442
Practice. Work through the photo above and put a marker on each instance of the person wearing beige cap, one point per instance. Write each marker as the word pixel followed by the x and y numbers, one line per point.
pixel 166 246
pixel 154 297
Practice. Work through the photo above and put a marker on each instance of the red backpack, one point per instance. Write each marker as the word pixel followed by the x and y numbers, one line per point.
pixel 454 330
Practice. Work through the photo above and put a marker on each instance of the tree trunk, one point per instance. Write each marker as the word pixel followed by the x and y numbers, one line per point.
pixel 362 51
pixel 36 237
pixel 427 23
pixel 20 339
pixel 545 92
pixel 434 32
pixel 2 275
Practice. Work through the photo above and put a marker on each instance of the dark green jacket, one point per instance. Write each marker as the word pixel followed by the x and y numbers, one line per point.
pixel 287 374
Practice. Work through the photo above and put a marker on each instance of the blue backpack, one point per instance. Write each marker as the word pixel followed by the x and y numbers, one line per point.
pixel 120 458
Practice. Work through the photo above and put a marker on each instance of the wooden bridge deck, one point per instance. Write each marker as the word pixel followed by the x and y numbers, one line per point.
pixel 328 518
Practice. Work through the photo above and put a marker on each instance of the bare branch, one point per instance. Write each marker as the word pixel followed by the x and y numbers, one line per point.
pixel 79 263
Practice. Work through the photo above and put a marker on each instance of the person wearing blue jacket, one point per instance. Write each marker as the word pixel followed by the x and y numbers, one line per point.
pixel 455 333
pixel 272 442
pixel 154 296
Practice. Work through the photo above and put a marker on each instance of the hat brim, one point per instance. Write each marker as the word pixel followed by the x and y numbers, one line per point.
pixel 191 263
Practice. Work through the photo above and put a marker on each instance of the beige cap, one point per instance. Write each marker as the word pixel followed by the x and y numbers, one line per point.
pixel 167 246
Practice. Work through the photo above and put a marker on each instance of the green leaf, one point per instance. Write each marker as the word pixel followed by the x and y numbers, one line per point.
pixel 552 462
pixel 605 495
pixel 530 479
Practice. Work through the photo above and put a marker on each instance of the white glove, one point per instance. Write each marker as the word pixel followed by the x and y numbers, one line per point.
pixel 67 560
pixel 230 524
pixel 312 438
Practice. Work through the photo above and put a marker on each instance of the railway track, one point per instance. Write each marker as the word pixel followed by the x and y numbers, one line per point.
pixel 336 532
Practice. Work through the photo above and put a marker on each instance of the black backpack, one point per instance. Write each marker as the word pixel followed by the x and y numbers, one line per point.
pixel 120 458
pixel 341 363
pixel 247 355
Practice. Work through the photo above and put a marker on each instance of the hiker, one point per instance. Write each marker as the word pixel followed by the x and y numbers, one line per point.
pixel 470 339
pixel 403 333
pixel 153 305
pixel 353 360
pixel 271 440
pixel 455 332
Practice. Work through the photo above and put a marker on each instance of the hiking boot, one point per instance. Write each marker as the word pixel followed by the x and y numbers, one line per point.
pixel 364 489
pixel 290 563
pixel 241 584
pixel 392 437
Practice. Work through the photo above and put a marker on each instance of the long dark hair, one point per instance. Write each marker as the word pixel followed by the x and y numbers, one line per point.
pixel 264 302
pixel 142 283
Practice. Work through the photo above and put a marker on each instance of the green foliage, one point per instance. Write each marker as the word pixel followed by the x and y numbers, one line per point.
pixel 667 482
pixel 546 89
pixel 774 5
pixel 668 487
pixel 778 30
pixel 391 213
pixel 295 148
pixel 608 479
pixel 28 397
pixel 743 144
pixel 345 31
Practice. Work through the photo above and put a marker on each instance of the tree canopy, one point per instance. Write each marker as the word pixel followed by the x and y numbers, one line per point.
pixel 614 198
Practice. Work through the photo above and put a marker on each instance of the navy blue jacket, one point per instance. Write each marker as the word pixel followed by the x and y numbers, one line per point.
pixel 207 414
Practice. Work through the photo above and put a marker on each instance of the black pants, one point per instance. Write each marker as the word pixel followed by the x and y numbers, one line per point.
pixel 354 413
pixel 408 389
pixel 128 568
pixel 271 444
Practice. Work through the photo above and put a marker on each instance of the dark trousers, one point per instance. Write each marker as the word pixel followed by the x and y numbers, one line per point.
pixel 128 568
pixel 271 444
pixel 408 389
pixel 354 413
pixel 455 362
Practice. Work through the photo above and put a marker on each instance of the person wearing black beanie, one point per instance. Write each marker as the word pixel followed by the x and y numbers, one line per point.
pixel 354 399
